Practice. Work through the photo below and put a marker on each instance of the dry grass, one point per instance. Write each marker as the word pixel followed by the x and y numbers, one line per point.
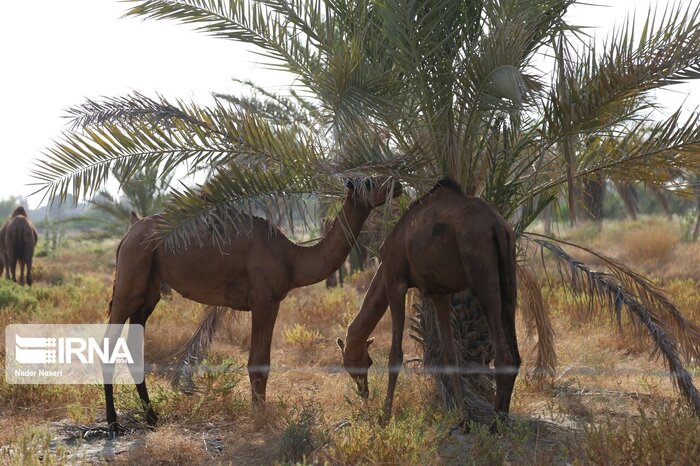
pixel 167 445
pixel 651 243
pixel 313 413
pixel 668 437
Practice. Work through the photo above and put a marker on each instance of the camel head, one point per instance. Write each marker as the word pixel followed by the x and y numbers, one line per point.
pixel 357 361
pixel 373 191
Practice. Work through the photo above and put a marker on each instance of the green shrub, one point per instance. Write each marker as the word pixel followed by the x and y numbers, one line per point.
pixel 14 296
pixel 301 336
pixel 301 435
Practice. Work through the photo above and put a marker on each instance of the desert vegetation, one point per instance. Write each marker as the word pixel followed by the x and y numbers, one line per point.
pixel 607 403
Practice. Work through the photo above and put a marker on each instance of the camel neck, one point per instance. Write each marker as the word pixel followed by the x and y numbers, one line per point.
pixel 315 263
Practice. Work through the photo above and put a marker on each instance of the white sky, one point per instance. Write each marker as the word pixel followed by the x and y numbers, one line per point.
pixel 54 54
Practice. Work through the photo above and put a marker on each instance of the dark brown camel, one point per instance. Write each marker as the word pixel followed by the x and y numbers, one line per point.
pixel 18 238
pixel 3 250
pixel 252 272
pixel 446 242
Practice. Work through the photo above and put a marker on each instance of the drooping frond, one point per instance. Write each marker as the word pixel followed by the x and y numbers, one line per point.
pixel 621 288
pixel 536 316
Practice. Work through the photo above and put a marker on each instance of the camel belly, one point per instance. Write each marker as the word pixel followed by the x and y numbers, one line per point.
pixel 212 279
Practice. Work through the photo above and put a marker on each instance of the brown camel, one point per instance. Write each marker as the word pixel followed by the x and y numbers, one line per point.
pixel 253 271
pixel 165 290
pixel 18 237
pixel 3 250
pixel 446 242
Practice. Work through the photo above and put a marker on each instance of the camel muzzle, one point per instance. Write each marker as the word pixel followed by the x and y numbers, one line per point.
pixel 362 386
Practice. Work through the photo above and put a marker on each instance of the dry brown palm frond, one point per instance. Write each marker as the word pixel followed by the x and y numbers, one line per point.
pixel 685 332
pixel 182 368
pixel 648 308
pixel 536 316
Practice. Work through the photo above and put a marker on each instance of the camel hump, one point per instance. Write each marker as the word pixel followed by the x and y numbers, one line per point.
pixel 19 211
pixel 134 217
pixel 448 183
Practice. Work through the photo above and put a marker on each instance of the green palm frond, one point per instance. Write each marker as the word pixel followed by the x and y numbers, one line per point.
pixel 162 135
pixel 287 38
pixel 273 107
pixel 609 88
pixel 227 203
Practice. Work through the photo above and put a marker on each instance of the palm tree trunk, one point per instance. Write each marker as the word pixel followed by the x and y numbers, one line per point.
pixel 592 198
pixel 696 230
pixel 471 335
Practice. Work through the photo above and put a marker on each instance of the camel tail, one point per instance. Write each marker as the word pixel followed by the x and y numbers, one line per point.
pixel 507 269
pixel 18 246
pixel 196 349
pixel 23 242
pixel 114 278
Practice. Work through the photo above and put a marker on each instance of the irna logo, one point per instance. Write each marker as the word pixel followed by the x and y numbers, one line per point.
pixel 66 350
pixel 73 353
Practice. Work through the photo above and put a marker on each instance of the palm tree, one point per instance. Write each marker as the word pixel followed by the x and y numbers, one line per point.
pixel 143 192
pixel 418 89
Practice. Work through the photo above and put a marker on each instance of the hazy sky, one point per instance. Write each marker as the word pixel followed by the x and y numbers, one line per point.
pixel 54 54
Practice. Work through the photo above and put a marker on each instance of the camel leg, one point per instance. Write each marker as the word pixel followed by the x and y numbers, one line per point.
pixel 487 292
pixel 129 302
pixel 107 377
pixel 511 343
pixel 397 304
pixel 152 299
pixel 12 260
pixel 447 345
pixel 264 316
pixel 29 271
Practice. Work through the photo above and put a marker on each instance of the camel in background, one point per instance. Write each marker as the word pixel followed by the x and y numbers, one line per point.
pixel 3 251
pixel 446 242
pixel 252 271
pixel 18 237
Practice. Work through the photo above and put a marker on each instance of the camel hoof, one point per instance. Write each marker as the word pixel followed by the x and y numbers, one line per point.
pixel 114 429
pixel 151 418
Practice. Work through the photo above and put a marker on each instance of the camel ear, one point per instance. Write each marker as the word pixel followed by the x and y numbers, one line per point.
pixel 341 344
pixel 370 341
pixel 134 217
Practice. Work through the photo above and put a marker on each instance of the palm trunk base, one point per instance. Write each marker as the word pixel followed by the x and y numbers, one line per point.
pixel 474 351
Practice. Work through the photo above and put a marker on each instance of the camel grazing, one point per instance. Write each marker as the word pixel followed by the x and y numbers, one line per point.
pixel 252 271
pixel 18 238
pixel 446 242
